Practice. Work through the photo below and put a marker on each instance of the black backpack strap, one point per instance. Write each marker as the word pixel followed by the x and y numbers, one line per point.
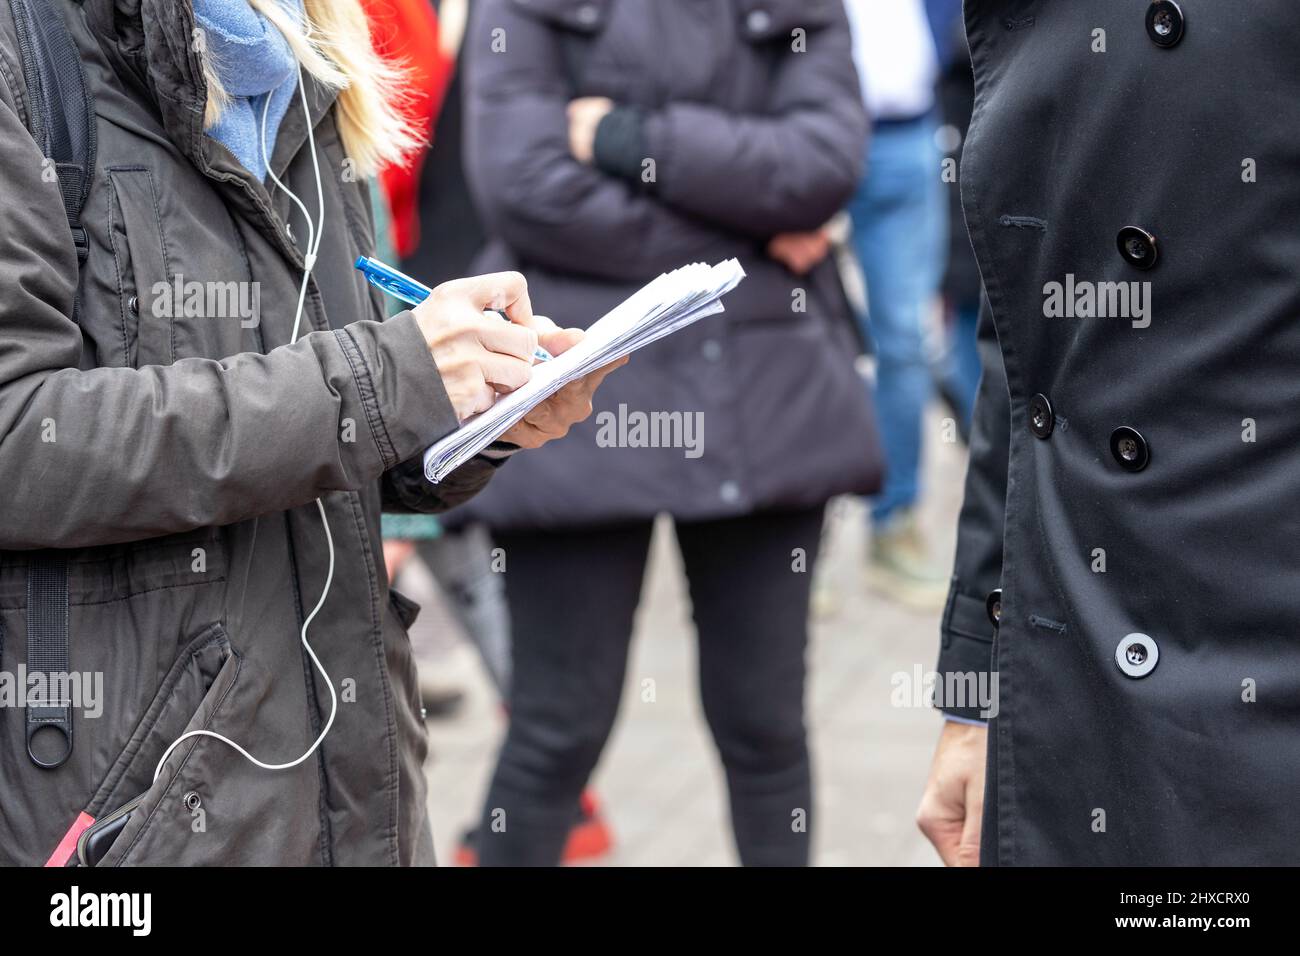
pixel 60 109
pixel 61 118
pixel 47 659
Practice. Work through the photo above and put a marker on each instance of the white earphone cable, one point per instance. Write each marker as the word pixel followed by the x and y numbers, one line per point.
pixel 314 235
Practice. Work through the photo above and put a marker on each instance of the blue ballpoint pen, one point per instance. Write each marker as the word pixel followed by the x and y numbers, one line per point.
pixel 403 287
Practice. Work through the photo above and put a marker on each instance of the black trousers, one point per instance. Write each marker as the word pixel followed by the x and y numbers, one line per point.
pixel 572 597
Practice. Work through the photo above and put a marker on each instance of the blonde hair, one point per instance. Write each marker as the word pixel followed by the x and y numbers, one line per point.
pixel 336 49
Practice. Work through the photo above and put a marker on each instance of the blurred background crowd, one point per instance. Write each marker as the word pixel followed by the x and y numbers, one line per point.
pixel 632 656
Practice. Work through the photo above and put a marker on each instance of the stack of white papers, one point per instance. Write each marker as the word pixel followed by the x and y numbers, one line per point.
pixel 671 302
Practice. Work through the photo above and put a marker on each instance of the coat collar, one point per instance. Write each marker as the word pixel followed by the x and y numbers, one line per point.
pixel 757 20
pixel 585 16
pixel 762 20
pixel 154 43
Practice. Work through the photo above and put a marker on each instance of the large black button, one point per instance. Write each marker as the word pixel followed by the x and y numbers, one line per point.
pixel 993 606
pixel 1138 247
pixel 1165 23
pixel 1129 448
pixel 1040 416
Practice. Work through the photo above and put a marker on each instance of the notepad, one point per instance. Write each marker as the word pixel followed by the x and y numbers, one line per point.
pixel 673 301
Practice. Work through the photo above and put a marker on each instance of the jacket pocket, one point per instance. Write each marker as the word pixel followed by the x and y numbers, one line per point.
pixel 140 254
pixel 187 683
pixel 189 700
pixel 403 607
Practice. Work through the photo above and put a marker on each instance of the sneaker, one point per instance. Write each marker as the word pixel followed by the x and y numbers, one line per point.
pixel 590 838
pixel 825 599
pixel 824 602
pixel 467 849
pixel 900 568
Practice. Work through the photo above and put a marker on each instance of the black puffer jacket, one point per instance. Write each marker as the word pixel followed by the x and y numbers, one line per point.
pixel 751 114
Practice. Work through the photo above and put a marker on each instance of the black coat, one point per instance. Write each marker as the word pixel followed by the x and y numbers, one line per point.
pixel 1197 761
pixel 749 138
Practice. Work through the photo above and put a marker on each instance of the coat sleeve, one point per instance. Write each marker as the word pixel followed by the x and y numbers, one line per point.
pixel 966 640
pixel 93 456
pixel 407 491
pixel 788 169
pixel 548 207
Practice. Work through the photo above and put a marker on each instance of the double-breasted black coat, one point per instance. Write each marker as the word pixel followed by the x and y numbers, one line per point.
pixel 1138 503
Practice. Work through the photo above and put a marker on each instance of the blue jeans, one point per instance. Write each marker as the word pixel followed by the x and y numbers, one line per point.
pixel 900 221
pixel 963 371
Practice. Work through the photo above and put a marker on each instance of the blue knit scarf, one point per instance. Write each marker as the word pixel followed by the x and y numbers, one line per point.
pixel 254 62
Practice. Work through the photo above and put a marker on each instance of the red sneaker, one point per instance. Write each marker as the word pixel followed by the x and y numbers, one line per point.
pixel 591 836
pixel 589 839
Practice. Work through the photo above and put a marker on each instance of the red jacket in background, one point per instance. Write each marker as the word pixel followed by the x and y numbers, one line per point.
pixel 405 32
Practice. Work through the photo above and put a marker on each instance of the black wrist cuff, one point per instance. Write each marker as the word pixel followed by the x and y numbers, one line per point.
pixel 620 143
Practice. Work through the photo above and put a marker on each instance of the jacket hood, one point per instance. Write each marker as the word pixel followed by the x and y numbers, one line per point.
pixel 153 41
